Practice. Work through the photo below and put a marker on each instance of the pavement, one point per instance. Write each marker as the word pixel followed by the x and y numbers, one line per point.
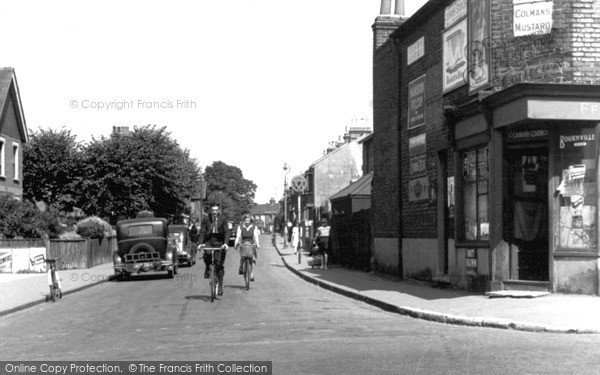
pixel 554 313
pixel 23 290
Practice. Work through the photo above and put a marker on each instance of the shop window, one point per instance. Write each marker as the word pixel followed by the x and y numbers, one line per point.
pixel 577 221
pixel 475 195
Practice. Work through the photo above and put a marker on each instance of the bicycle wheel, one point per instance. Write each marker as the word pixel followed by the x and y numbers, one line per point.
pixel 247 272
pixel 54 287
pixel 213 284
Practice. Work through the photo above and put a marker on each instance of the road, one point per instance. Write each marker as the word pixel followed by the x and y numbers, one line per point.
pixel 303 329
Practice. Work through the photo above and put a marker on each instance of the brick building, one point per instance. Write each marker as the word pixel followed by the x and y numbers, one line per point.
pixel 13 135
pixel 486 117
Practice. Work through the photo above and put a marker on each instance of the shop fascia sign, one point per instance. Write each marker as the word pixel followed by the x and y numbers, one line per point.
pixel 532 17
pixel 562 110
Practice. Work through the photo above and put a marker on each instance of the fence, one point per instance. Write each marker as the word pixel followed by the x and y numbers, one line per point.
pixel 85 253
pixel 351 240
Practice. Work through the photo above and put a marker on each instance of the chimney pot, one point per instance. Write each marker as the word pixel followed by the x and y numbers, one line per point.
pixel 399 8
pixel 386 7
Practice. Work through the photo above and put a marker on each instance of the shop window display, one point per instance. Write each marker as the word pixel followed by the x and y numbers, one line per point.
pixel 475 173
pixel 577 221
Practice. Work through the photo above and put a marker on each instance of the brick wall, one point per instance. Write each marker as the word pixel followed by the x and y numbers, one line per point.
pixel 569 54
pixel 384 198
pixel 419 218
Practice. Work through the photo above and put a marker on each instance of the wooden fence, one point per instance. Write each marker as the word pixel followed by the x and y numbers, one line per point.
pixel 84 253
pixel 351 240
pixel 21 243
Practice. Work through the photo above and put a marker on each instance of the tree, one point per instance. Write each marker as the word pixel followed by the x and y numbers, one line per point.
pixel 52 168
pixel 145 170
pixel 230 181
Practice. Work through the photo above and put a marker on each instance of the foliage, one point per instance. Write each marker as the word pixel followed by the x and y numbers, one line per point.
pixel 23 220
pixel 93 227
pixel 52 168
pixel 146 170
pixel 228 181
pixel 145 213
pixel 70 235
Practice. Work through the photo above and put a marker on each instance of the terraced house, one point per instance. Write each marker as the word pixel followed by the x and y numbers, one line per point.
pixel 486 128
pixel 13 134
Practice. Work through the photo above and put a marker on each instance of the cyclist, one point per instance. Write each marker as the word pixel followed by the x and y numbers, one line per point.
pixel 247 235
pixel 215 233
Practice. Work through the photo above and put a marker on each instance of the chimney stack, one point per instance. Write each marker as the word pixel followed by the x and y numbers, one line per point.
pixel 386 22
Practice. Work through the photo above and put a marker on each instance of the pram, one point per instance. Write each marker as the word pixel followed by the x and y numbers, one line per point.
pixel 317 259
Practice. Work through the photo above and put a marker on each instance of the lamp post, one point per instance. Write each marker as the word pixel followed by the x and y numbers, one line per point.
pixel 286 169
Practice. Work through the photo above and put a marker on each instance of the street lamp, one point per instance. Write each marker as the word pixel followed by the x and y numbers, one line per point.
pixel 286 169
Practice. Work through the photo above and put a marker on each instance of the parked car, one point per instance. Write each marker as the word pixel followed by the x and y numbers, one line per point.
pixel 186 251
pixel 143 246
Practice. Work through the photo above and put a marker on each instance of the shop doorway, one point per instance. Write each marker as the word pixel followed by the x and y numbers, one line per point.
pixel 526 218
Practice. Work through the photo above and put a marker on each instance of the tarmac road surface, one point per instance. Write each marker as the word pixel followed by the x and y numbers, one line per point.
pixel 302 328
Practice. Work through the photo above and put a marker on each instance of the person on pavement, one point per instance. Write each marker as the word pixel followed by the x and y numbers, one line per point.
pixel 246 240
pixel 322 240
pixel 295 236
pixel 215 232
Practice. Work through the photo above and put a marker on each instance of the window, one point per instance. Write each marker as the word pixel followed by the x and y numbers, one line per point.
pixel 2 166
pixel 578 197
pixel 16 161
pixel 475 174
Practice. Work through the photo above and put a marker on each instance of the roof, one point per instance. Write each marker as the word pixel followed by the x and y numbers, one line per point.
pixel 9 86
pixel 265 209
pixel 360 187
pixel 366 138
pixel 358 140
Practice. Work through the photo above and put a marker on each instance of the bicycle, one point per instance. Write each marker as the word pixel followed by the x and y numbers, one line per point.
pixel 246 252
pixel 53 280
pixel 213 280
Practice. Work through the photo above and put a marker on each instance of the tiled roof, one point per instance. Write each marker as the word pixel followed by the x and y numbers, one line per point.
pixel 7 77
pixel 362 186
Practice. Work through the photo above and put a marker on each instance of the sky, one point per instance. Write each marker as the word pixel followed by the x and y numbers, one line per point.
pixel 252 83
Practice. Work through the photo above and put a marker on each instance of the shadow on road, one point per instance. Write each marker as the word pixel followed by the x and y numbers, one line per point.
pixel 143 277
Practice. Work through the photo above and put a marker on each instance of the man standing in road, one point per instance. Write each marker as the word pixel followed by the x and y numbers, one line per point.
pixel 215 233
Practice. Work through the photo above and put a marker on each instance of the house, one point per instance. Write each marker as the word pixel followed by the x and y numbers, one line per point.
pixel 486 120
pixel 264 214
pixel 13 135
pixel 336 169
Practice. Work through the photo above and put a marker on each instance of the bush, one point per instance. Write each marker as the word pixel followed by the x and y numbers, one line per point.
pixel 93 227
pixel 145 213
pixel 70 236
pixel 21 219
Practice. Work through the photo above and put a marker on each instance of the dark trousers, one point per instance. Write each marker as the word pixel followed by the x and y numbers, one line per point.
pixel 219 261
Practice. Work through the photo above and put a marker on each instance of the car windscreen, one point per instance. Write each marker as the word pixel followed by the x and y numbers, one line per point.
pixel 140 230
